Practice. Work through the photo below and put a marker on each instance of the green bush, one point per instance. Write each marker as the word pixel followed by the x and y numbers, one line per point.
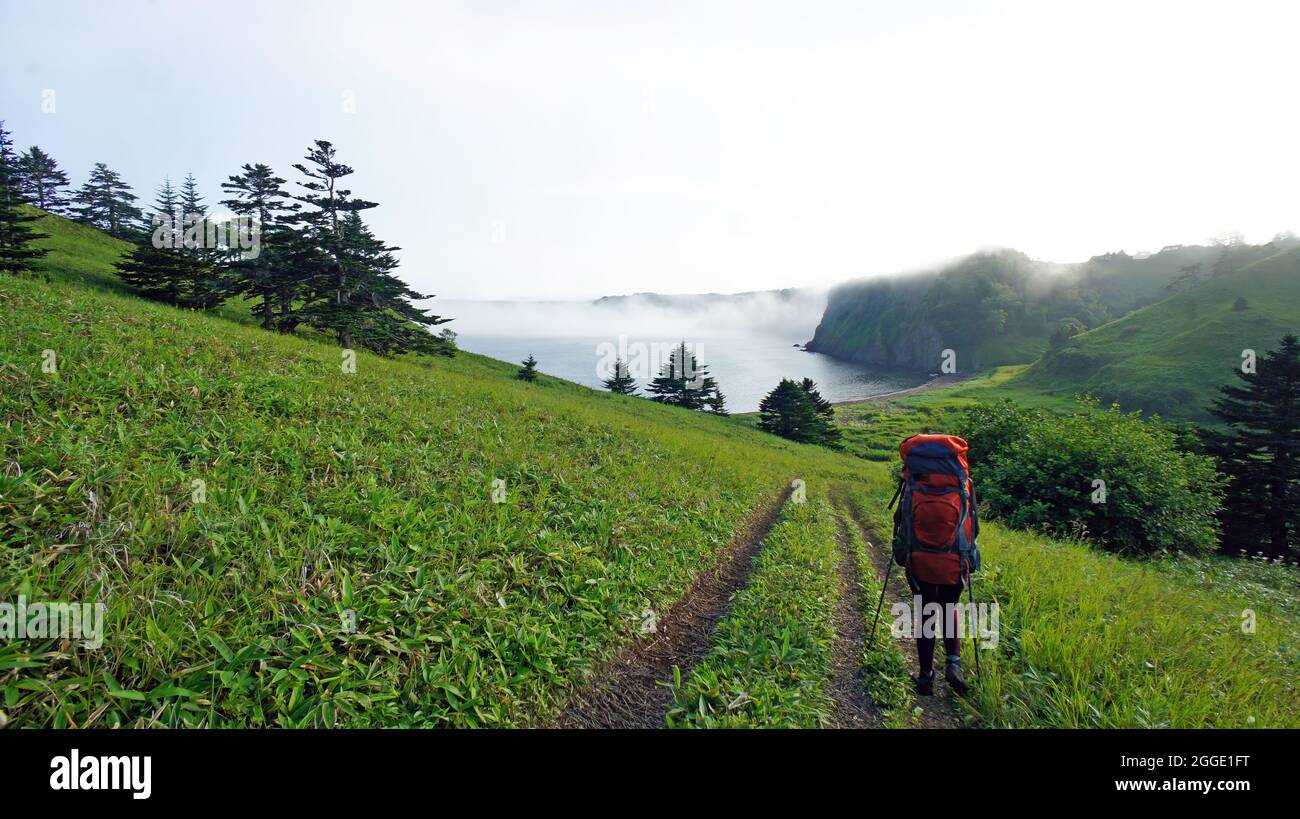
pixel 1041 470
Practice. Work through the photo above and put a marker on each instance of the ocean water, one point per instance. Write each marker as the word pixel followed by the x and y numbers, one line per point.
pixel 746 367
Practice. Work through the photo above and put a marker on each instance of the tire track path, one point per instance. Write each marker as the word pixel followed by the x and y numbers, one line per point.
pixel 853 708
pixel 628 692
pixel 940 710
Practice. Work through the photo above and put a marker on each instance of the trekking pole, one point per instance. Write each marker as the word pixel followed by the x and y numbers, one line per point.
pixel 975 649
pixel 879 604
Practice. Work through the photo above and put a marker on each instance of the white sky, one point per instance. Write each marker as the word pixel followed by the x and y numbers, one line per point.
pixel 575 149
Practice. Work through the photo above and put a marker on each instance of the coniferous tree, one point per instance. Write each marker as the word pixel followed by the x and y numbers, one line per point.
pixel 161 267
pixel 682 382
pixel 830 432
pixel 42 182
pixel 196 226
pixel 326 203
pixel 717 402
pixel 1260 454
pixel 16 251
pixel 620 382
pixel 789 412
pixel 355 295
pixel 299 261
pixel 382 316
pixel 191 201
pixel 167 201
pixel 170 275
pixel 107 202
pixel 528 372
pixel 271 277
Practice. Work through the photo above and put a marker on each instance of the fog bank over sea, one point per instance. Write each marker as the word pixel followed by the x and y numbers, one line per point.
pixel 749 341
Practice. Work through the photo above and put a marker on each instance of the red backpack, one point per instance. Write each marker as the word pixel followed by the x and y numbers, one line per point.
pixel 936 523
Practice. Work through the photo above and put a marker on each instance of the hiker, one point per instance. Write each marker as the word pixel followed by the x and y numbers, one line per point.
pixel 935 527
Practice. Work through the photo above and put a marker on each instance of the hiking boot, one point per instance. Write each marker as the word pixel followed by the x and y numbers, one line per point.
pixel 955 680
pixel 925 684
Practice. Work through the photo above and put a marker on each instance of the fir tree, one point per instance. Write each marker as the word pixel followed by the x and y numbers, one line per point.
pixel 830 432
pixel 107 202
pixel 195 226
pixel 383 317
pixel 528 372
pixel 717 402
pixel 191 201
pixel 16 251
pixel 355 295
pixel 270 279
pixel 682 382
pixel 789 412
pixel 170 275
pixel 167 200
pixel 1260 454
pixel 42 183
pixel 620 382
pixel 326 204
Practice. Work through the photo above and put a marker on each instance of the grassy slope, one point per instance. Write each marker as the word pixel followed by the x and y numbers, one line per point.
pixel 78 253
pixel 1171 357
pixel 1089 640
pixel 370 492
pixel 874 429
pixel 327 492
pixel 771 659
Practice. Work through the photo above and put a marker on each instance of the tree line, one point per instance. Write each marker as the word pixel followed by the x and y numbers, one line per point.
pixel 299 258
pixel 682 382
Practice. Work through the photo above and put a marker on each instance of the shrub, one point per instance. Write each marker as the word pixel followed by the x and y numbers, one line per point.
pixel 1041 470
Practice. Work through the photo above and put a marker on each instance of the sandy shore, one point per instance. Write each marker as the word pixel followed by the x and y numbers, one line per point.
pixel 938 382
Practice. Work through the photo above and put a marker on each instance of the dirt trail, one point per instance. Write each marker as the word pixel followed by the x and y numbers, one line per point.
pixel 853 707
pixel 627 692
pixel 940 710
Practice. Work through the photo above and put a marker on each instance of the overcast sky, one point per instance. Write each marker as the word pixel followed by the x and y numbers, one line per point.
pixel 575 149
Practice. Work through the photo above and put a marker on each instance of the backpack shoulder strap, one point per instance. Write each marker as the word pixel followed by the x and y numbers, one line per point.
pixel 898 493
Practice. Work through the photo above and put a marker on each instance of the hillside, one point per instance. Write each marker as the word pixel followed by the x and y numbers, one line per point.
pixel 1171 357
pixel 992 308
pixel 281 543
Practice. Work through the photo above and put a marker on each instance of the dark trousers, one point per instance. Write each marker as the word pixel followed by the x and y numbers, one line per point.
pixel 943 595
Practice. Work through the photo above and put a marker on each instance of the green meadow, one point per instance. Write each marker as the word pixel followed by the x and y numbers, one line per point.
pixel 431 542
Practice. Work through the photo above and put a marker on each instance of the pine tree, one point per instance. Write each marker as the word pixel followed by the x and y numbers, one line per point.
pixel 682 382
pixel 107 202
pixel 717 402
pixel 830 432
pixel 355 295
pixel 528 372
pixel 1260 454
pixel 270 278
pixel 42 182
pixel 16 251
pixel 191 201
pixel 620 382
pixel 326 203
pixel 382 316
pixel 167 200
pixel 170 275
pixel 196 226
pixel 789 412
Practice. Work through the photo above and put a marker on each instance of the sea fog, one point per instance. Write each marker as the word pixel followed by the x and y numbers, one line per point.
pixel 748 341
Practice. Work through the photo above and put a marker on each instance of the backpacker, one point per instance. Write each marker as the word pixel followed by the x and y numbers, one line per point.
pixel 936 522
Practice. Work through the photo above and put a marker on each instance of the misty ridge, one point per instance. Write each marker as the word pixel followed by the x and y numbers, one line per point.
pixel 999 307
pixel 790 314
